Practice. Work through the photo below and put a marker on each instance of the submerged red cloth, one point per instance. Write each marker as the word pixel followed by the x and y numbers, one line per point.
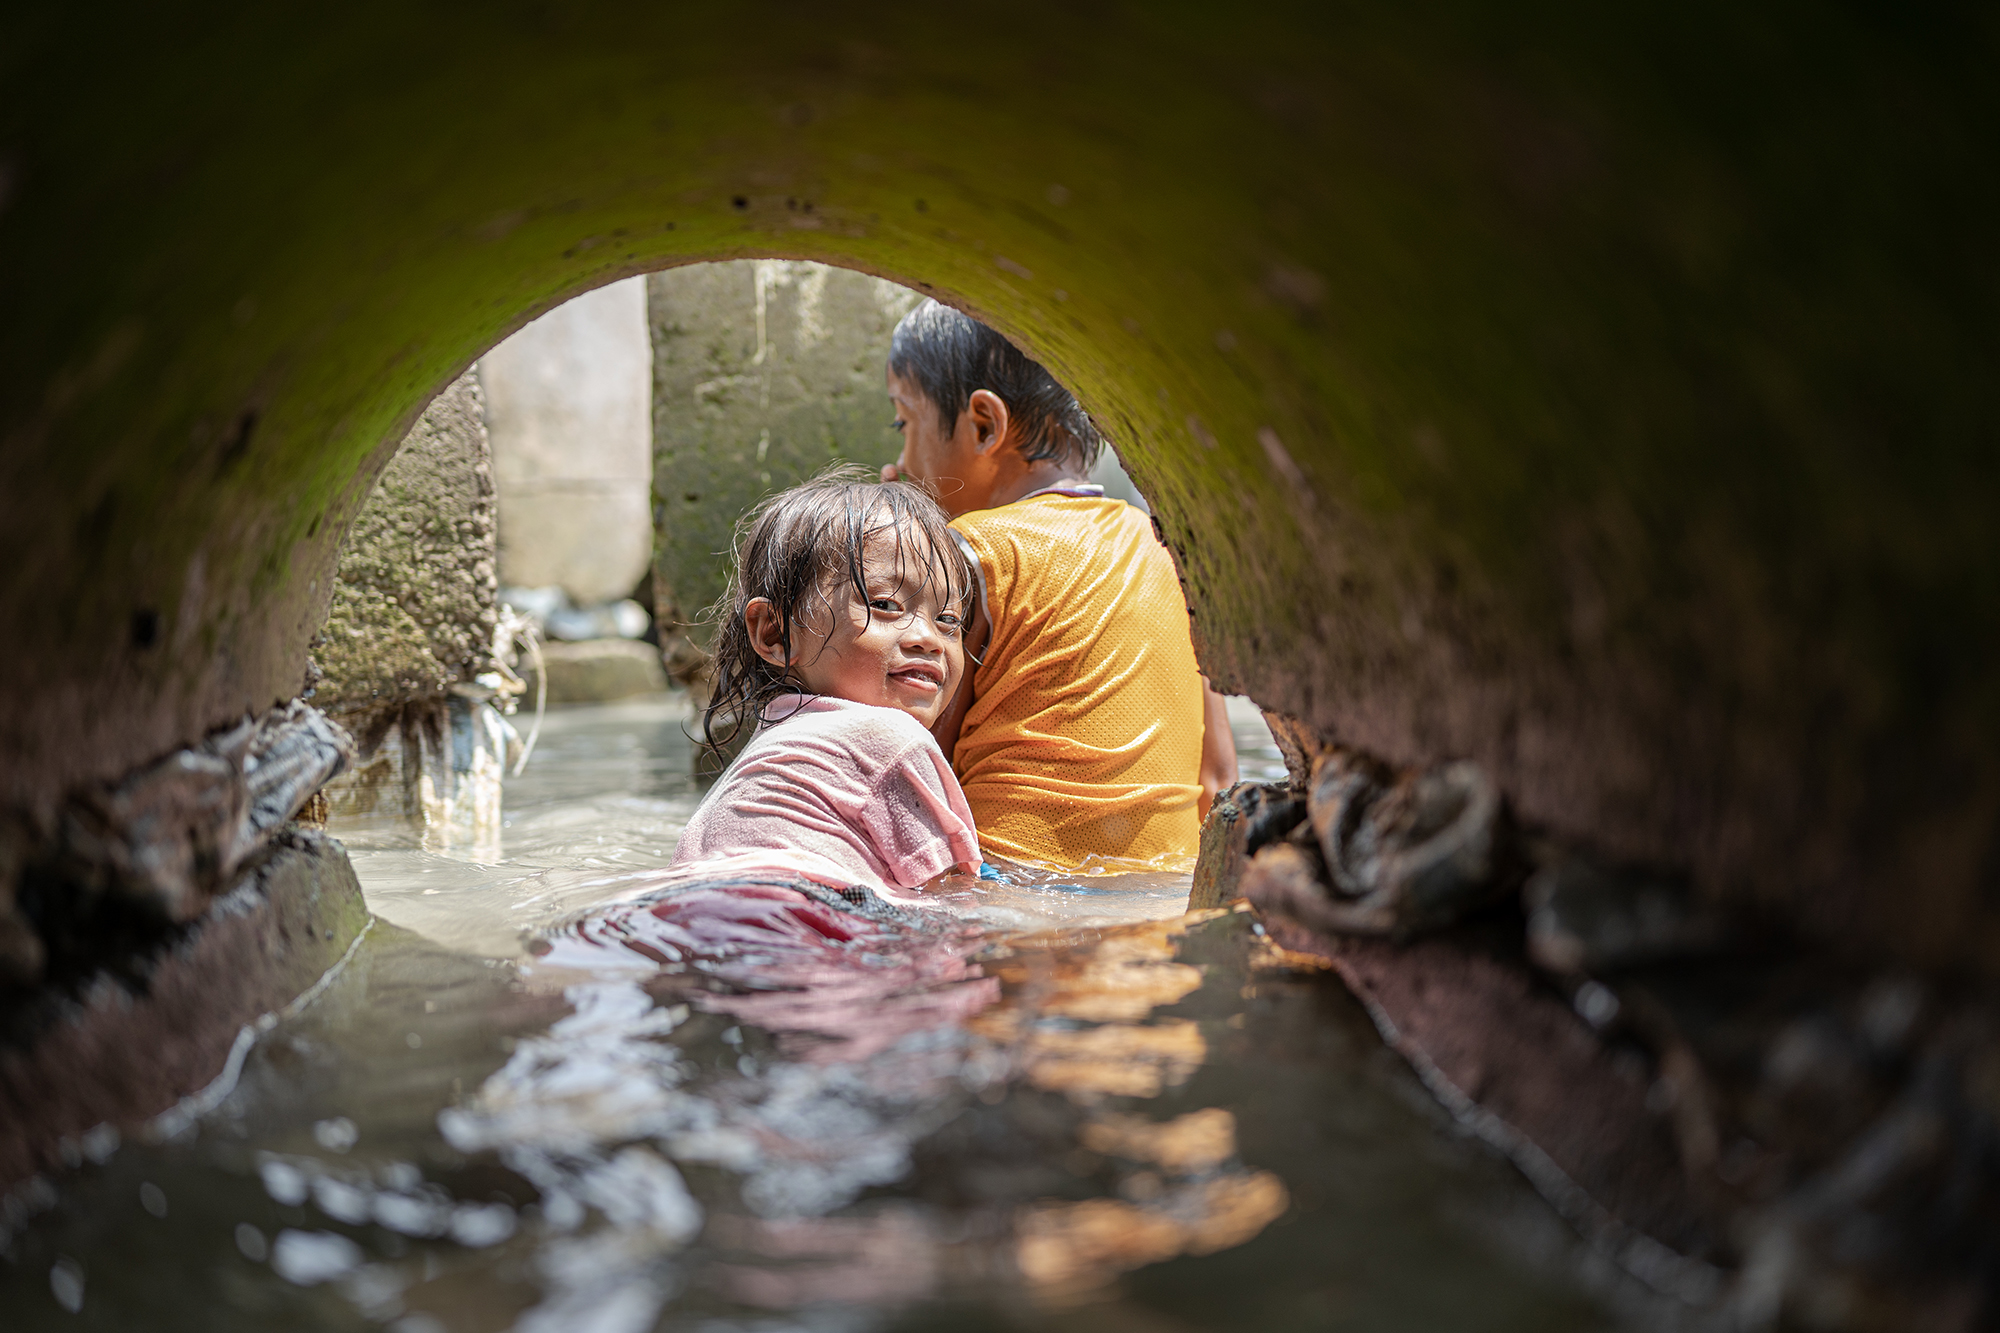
pixel 839 792
pixel 831 984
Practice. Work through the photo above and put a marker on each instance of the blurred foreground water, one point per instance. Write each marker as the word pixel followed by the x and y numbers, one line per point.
pixel 1064 1105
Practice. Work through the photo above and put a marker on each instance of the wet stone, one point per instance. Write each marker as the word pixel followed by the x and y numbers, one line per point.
pixel 598 670
pixel 1243 820
pixel 1410 852
pixel 1376 852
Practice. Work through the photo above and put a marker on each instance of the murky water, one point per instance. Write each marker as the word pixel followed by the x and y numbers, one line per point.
pixel 1066 1107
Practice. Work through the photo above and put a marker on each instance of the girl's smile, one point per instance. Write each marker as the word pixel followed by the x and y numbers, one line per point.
pixel 901 648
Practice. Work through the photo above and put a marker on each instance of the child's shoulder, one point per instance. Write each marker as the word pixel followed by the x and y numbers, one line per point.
pixel 1051 511
pixel 869 725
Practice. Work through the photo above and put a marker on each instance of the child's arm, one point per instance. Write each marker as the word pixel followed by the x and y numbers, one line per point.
pixel 960 876
pixel 1218 747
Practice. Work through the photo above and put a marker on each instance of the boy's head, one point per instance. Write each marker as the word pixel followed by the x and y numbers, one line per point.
pixel 964 394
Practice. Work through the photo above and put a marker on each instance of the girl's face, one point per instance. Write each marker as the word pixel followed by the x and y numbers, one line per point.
pixel 901 648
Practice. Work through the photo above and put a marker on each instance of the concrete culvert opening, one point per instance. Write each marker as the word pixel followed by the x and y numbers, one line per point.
pixel 555 531
pixel 1574 435
pixel 555 527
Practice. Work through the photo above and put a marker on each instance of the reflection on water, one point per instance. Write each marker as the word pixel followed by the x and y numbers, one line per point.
pixel 1057 1109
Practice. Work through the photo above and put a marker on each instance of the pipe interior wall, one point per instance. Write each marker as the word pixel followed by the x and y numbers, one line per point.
pixel 1602 395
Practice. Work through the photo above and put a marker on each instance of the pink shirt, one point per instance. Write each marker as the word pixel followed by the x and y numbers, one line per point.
pixel 839 792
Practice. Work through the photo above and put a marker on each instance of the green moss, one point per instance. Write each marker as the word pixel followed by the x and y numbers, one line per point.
pixel 414 596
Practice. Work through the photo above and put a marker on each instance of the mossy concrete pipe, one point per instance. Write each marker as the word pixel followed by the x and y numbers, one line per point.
pixel 1603 394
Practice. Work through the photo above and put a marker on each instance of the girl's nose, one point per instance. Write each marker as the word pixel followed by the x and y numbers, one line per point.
pixel 919 633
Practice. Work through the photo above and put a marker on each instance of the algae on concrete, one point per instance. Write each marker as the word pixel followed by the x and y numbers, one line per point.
pixel 411 627
pixel 764 372
pixel 415 597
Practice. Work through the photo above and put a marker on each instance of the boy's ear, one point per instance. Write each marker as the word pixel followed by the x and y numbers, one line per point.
pixel 988 414
pixel 766 629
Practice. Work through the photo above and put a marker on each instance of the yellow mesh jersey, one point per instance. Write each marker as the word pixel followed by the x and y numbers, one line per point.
pixel 1084 735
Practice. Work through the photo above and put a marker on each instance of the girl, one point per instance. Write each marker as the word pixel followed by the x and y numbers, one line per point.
pixel 841 637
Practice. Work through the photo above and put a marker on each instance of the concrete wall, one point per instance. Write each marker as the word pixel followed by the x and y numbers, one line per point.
pixel 764 372
pixel 409 628
pixel 1602 394
pixel 413 602
pixel 569 406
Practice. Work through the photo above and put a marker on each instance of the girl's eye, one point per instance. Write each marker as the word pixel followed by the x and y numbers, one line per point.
pixel 897 423
pixel 888 604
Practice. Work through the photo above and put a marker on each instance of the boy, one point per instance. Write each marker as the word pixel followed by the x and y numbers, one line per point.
pixel 1085 728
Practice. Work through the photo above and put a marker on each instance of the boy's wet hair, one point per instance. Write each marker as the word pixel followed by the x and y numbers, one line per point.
pixel 951 355
pixel 795 549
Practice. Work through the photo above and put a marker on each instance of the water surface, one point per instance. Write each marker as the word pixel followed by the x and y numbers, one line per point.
pixel 1065 1107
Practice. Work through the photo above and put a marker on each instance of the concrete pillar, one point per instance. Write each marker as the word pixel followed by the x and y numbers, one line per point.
pixel 568 404
pixel 764 371
pixel 406 652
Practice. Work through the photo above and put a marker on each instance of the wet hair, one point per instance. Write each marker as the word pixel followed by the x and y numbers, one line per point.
pixel 795 549
pixel 951 355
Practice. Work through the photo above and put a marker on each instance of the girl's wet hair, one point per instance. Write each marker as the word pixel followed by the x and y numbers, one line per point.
pixel 951 355
pixel 795 549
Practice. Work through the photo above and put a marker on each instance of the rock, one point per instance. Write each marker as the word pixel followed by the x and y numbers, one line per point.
pixel 601 670
pixel 568 402
pixel 606 620
pixel 171 835
pixel 1242 821
pixel 286 757
pixel 558 617
pixel 537 604
pixel 1284 881
pixel 152 1027
pixel 1365 851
